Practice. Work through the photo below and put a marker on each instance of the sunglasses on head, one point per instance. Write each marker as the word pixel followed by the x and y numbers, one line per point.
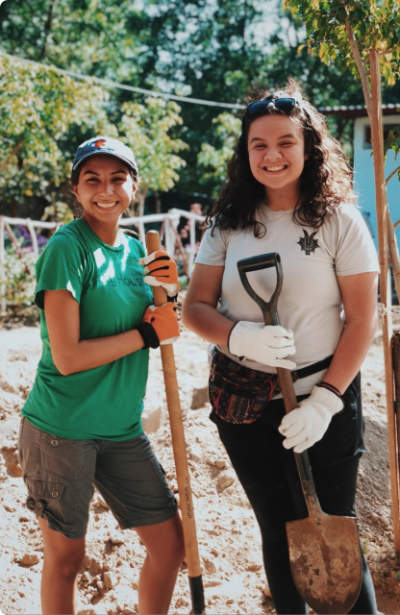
pixel 271 104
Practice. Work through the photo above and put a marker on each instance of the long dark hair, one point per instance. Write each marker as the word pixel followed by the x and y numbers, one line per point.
pixel 326 180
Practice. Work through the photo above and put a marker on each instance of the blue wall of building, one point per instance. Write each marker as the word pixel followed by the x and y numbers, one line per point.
pixel 364 174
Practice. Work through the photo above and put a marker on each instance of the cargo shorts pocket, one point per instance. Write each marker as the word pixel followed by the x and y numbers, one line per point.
pixel 44 497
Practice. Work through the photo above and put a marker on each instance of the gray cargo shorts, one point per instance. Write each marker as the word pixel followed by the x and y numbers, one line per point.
pixel 60 474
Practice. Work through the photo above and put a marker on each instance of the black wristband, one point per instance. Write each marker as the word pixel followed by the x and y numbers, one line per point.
pixel 148 334
pixel 330 387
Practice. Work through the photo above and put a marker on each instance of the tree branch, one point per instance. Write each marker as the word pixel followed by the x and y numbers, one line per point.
pixel 47 29
pixel 13 153
pixel 359 63
pixel 392 174
pixel 17 248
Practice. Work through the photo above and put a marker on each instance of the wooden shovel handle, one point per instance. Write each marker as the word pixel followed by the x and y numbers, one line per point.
pixel 287 388
pixel 179 448
pixel 302 460
pixel 395 346
pixel 271 317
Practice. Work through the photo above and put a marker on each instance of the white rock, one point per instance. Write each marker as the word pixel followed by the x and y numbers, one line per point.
pixel 151 420
pixel 224 481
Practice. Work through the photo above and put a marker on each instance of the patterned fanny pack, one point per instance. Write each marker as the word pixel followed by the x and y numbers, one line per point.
pixel 239 394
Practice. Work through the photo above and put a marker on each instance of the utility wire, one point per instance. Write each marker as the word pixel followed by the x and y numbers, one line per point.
pixel 114 84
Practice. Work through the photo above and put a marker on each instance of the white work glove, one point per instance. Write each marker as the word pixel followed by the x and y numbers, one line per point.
pixel 266 344
pixel 305 425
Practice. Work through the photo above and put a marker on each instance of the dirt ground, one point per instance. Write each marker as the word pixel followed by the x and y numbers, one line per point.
pixel 229 542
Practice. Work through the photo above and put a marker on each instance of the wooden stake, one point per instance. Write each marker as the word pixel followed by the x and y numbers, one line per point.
pixel 385 289
pixel 394 255
pixel 2 269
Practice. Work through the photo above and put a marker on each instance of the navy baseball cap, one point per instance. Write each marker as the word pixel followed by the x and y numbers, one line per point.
pixel 105 145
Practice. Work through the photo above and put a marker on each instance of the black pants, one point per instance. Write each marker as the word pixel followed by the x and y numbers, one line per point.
pixel 268 474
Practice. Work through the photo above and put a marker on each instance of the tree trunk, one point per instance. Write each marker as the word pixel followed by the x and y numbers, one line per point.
pixel 382 215
pixel 158 202
pixel 47 29
pixel 139 203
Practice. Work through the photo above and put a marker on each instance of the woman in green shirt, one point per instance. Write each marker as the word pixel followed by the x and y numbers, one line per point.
pixel 81 424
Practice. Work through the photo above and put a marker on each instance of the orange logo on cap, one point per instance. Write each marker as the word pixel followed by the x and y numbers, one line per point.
pixel 99 143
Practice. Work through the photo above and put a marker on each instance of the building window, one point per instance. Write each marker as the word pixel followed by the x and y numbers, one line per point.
pixel 393 129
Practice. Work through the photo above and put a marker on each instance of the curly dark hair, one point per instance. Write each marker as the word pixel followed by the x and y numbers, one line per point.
pixel 326 180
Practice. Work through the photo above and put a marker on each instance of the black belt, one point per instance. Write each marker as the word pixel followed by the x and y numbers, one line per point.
pixel 311 369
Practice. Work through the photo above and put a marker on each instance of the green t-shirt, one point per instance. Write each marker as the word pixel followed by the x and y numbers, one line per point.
pixel 105 402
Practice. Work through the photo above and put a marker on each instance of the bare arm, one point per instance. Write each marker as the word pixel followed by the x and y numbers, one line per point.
pixel 200 307
pixel 70 353
pixel 359 295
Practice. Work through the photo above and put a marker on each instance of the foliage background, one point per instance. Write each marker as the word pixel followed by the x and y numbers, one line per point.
pixel 219 50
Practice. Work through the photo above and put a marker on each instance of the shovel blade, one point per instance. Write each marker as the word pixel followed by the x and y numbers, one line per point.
pixel 325 561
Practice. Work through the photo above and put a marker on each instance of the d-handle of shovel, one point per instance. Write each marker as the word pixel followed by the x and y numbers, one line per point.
pixel 179 447
pixel 254 263
pixel 269 311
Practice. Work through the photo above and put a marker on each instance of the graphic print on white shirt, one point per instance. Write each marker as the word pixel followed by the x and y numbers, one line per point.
pixel 308 243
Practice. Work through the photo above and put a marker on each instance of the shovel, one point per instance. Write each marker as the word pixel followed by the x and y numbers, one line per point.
pixel 324 549
pixel 179 447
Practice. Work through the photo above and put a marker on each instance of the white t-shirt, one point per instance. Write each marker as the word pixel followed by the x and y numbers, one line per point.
pixel 309 303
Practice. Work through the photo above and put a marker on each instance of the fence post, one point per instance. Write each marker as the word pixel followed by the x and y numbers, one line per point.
pixel 142 232
pixel 170 237
pixel 2 270
pixel 192 222
pixel 32 232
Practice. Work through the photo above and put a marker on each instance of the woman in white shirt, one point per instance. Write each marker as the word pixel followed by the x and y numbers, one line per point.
pixel 289 190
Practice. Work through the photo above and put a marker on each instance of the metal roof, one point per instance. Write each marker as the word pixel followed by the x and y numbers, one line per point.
pixel 358 110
